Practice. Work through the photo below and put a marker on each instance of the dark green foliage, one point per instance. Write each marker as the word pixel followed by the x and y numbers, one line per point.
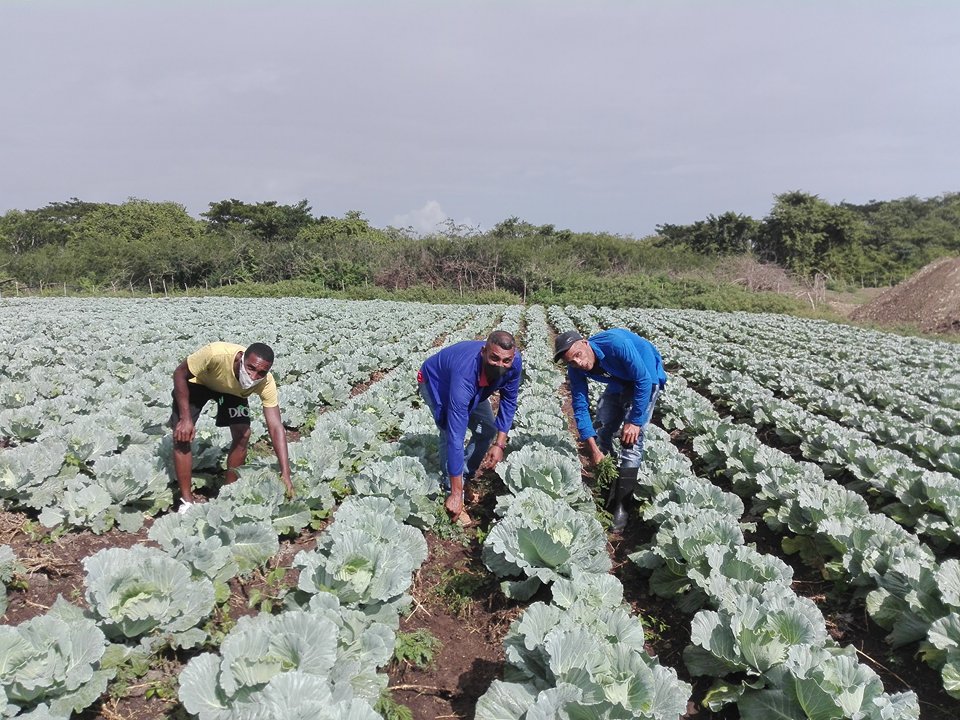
pixel 390 709
pixel 417 648
pixel 267 221
pixel 729 234
pixel 808 235
pixel 878 243
pixel 606 473
pixel 459 587
pixel 269 249
pixel 24 232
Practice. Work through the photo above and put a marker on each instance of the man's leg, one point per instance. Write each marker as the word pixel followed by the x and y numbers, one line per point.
pixel 234 412
pixel 183 450
pixel 610 414
pixel 237 456
pixel 483 430
pixel 183 468
pixel 442 447
pixel 631 456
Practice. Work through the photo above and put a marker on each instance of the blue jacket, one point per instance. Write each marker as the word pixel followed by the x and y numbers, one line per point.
pixel 625 361
pixel 452 377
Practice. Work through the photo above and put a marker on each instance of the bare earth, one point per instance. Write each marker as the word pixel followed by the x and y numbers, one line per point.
pixel 930 299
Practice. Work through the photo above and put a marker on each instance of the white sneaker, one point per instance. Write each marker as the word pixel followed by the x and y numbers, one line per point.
pixel 184 506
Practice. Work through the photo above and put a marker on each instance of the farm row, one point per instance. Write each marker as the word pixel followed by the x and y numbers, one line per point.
pixel 87 391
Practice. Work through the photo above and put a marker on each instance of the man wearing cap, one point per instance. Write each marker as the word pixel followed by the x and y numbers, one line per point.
pixel 633 372
pixel 227 374
pixel 456 383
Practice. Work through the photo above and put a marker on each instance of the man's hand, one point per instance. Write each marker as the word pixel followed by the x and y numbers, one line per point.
pixel 494 455
pixel 290 492
pixel 630 434
pixel 185 430
pixel 454 502
pixel 593 451
pixel 596 456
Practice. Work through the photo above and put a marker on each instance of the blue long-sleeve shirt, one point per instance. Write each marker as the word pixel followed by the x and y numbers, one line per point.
pixel 453 379
pixel 624 360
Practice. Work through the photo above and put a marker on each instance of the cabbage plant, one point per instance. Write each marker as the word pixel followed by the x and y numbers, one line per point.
pixel 753 633
pixel 218 539
pixel 259 495
pixel 582 657
pixel 50 665
pixel 124 489
pixel 299 664
pixel 543 539
pixel 142 592
pixel 29 474
pixel 537 466
pixel 818 683
pixel 405 483
pixel 366 557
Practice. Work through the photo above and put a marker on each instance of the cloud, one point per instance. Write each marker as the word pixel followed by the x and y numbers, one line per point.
pixel 429 219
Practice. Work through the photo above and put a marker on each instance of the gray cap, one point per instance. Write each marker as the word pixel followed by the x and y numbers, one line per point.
pixel 563 343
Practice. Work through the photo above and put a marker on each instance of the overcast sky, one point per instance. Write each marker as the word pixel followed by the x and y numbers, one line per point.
pixel 603 115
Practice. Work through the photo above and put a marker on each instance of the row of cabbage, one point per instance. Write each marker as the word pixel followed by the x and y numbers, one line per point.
pixel 929 365
pixel 910 378
pixel 749 622
pixel 582 654
pixel 326 648
pixel 906 590
pixel 918 497
pixel 86 392
pixel 365 559
pixel 922 430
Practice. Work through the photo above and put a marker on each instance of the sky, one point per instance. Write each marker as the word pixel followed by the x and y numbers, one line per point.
pixel 607 115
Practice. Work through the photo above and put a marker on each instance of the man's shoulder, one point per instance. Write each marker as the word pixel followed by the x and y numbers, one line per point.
pixel 615 334
pixel 619 339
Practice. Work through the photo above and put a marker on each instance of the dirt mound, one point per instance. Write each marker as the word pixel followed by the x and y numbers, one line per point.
pixel 930 299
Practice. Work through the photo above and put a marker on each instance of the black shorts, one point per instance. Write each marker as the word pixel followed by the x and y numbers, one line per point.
pixel 231 409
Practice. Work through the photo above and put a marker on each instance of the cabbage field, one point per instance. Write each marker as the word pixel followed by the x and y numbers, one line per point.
pixel 793 553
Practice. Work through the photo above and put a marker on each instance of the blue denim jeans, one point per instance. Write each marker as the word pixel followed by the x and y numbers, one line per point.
pixel 611 410
pixel 481 426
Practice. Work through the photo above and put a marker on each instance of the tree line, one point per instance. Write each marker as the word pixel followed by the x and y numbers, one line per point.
pixel 240 246
pixel 880 242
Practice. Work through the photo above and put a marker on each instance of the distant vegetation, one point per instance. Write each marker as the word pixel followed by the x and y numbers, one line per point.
pixel 271 249
pixel 879 243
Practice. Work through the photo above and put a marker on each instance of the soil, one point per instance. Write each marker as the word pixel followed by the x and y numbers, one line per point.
pixel 362 387
pixel 459 602
pixel 930 299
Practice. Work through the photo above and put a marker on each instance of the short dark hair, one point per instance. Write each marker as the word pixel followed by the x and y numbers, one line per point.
pixel 261 350
pixel 502 339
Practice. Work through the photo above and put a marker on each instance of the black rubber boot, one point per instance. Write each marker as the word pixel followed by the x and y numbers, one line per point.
pixel 621 499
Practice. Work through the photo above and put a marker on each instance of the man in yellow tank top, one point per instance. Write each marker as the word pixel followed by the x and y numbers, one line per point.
pixel 227 374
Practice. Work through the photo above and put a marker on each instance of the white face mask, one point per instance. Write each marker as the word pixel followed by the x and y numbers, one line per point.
pixel 247 382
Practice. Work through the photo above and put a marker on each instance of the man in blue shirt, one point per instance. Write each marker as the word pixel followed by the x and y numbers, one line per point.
pixel 456 384
pixel 633 371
